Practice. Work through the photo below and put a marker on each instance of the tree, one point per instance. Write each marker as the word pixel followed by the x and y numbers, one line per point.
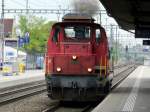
pixel 39 30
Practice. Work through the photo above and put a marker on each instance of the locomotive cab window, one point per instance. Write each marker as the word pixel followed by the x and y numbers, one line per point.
pixel 56 34
pixel 77 32
pixel 98 35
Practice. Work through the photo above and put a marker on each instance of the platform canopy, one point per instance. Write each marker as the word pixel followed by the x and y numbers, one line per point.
pixel 129 14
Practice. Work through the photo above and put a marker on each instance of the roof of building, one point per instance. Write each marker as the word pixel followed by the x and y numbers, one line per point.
pixel 8 26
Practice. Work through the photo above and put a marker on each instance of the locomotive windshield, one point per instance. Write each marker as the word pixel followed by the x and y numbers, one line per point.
pixel 77 32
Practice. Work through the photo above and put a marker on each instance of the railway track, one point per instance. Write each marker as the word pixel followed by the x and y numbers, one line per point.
pixel 120 66
pixel 12 94
pixel 61 108
pixel 118 78
pixel 87 108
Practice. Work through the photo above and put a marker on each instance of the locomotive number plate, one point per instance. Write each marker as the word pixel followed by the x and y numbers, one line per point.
pixel 74 62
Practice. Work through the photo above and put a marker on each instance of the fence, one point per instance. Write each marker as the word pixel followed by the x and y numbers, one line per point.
pixel 34 61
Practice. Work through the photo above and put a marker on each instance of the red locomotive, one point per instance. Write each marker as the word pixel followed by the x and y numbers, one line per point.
pixel 77 60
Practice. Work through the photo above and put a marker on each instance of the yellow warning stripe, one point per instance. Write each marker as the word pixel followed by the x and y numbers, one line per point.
pixel 103 67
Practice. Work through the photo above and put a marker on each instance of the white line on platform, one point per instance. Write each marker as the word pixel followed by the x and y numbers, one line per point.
pixel 129 105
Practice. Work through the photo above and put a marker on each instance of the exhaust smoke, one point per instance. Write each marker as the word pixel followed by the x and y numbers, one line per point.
pixel 86 6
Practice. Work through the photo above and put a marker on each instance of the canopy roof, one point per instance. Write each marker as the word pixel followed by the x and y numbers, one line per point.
pixel 129 14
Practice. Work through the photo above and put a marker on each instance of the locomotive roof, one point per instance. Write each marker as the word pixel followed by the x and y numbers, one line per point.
pixel 78 23
pixel 77 17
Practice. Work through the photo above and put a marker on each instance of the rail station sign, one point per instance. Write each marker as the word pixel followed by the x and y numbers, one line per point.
pixel 142 33
pixel 146 42
pixel 11 43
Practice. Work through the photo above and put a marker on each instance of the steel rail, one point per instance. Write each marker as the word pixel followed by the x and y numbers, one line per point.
pixel 18 94
pixel 53 108
pixel 20 90
pixel 121 69
pixel 128 71
pixel 58 106
pixel 9 88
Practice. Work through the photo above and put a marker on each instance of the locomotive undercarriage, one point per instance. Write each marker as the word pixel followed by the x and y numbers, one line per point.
pixel 77 88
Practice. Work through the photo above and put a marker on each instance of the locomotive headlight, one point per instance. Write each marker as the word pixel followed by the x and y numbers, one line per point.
pixel 58 69
pixel 74 57
pixel 89 69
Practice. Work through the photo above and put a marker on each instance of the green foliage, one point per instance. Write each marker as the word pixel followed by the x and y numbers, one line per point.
pixel 23 24
pixel 39 30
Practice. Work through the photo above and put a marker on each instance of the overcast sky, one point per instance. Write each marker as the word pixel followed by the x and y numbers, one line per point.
pixel 55 4
pixel 46 4
pixel 36 3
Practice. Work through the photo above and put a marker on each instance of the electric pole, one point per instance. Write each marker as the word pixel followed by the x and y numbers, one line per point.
pixel 27 11
pixel 111 47
pixel 116 50
pixel 100 18
pixel 27 6
pixel 2 33
pixel 58 14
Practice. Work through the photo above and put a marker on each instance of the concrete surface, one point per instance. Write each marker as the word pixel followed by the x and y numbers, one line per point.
pixel 28 76
pixel 132 95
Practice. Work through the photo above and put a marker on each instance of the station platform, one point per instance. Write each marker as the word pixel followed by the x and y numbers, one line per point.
pixel 132 95
pixel 22 78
